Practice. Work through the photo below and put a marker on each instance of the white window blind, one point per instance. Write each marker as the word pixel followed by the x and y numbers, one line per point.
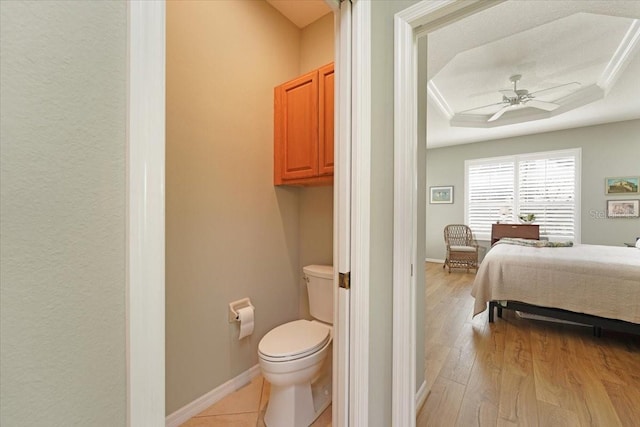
pixel 547 190
pixel 543 184
pixel 490 187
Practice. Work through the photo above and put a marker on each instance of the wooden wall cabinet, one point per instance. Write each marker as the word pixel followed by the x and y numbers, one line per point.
pixel 523 231
pixel 303 129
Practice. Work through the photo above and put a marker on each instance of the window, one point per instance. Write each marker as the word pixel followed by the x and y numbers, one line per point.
pixel 544 184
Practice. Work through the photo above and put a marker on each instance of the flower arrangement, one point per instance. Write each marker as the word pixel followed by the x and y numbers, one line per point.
pixel 527 218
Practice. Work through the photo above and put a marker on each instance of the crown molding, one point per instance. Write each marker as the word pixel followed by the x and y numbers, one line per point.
pixel 623 54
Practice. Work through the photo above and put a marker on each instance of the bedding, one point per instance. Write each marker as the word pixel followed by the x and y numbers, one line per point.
pixel 592 279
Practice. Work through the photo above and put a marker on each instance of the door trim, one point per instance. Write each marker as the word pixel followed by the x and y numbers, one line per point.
pixel 342 212
pixel 361 213
pixel 410 24
pixel 145 317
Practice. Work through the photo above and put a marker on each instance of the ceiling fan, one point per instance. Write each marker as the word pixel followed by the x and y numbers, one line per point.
pixel 515 98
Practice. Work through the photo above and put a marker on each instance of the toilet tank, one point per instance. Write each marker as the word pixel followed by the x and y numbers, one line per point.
pixel 319 280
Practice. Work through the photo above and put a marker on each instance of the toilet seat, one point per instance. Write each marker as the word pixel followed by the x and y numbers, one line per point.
pixel 293 340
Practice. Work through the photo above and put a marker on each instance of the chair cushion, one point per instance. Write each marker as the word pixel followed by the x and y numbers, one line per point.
pixel 463 248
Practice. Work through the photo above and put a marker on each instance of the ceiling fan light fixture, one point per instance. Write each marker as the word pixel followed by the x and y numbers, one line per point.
pixel 521 98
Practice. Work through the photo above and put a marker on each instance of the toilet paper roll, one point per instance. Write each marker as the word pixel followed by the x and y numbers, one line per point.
pixel 245 317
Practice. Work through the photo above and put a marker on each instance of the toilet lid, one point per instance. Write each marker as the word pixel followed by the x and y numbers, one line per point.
pixel 297 338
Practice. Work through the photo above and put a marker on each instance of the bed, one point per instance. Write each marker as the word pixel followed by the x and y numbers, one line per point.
pixel 588 284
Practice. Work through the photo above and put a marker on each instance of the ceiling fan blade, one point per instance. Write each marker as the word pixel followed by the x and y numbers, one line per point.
pixel 497 115
pixel 542 105
pixel 555 88
pixel 509 93
pixel 479 108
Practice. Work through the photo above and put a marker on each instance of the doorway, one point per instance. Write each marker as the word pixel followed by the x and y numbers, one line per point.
pixel 146 176
pixel 411 25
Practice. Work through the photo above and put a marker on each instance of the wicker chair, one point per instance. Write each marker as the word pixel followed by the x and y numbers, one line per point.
pixel 462 248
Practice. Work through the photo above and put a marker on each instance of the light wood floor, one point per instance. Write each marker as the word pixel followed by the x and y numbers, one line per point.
pixel 518 371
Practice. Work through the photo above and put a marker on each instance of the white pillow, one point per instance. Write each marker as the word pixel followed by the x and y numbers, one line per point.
pixel 638 243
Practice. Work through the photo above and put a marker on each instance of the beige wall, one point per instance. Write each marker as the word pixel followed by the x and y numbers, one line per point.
pixel 62 220
pixel 316 235
pixel 316 203
pixel 230 232
pixel 317 44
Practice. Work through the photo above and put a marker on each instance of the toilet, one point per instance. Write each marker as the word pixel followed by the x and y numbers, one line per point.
pixel 295 358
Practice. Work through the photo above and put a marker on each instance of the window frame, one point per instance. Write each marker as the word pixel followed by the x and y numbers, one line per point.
pixel 516 159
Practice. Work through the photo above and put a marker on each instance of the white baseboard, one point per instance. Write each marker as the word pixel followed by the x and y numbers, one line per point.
pixel 203 402
pixel 439 261
pixel 421 396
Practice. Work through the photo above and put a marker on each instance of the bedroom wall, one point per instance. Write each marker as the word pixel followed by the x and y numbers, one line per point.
pixel 607 150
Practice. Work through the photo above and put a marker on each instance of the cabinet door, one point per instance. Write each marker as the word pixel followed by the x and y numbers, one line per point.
pixel 296 128
pixel 325 165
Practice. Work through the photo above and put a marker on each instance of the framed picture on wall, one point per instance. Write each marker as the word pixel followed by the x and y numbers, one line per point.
pixel 622 185
pixel 441 194
pixel 623 208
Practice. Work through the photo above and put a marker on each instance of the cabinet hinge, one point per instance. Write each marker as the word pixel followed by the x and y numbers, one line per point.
pixel 344 280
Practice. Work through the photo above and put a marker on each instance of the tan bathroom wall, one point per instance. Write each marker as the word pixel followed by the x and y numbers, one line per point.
pixel 229 232
pixel 317 43
pixel 316 235
pixel 316 203
pixel 62 213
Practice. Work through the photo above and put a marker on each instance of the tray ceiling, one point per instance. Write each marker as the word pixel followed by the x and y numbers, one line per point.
pixel 549 44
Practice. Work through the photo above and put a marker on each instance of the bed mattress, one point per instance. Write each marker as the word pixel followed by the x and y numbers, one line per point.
pixel 592 279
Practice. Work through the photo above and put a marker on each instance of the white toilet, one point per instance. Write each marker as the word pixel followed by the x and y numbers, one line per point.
pixel 296 357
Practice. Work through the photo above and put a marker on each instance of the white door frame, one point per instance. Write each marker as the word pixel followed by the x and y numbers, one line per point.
pixel 360 213
pixel 352 213
pixel 145 214
pixel 341 212
pixel 410 24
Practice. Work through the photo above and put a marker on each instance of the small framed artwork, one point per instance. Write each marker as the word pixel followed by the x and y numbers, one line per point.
pixel 622 185
pixel 623 208
pixel 441 194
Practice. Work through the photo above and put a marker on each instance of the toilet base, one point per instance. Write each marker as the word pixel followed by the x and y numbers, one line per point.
pixel 298 405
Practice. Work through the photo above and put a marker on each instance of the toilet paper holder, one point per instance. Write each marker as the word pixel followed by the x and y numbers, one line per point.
pixel 237 305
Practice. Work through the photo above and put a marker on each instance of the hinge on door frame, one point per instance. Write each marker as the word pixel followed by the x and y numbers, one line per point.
pixel 344 280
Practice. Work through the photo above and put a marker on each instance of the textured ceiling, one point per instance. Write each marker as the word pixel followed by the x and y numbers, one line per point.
pixel 550 43
pixel 572 49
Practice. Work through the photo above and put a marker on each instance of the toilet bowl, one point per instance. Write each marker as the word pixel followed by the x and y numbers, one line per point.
pixel 294 358
pixel 291 368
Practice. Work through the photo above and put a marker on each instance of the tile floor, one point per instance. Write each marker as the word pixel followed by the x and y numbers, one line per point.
pixel 244 408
